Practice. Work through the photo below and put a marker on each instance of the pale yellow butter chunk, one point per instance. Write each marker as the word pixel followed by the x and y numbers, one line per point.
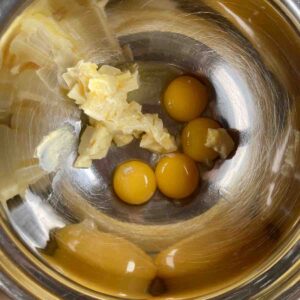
pixel 95 144
pixel 157 138
pixel 41 41
pixel 220 141
pixel 55 148
pixel 123 139
pixel 17 182
pixel 102 95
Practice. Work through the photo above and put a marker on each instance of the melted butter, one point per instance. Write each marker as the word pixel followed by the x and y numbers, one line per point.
pixel 102 262
pixel 199 264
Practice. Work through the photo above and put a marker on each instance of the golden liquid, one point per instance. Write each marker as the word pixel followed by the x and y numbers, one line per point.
pixel 102 262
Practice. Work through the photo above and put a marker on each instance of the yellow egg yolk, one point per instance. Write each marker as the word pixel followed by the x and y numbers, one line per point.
pixel 185 98
pixel 134 182
pixel 177 176
pixel 194 138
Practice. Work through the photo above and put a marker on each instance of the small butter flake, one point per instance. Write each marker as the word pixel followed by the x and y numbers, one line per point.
pixel 55 148
pixel 95 144
pixel 220 141
pixel 123 139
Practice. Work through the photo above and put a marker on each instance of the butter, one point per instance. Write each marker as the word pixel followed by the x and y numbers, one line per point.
pixel 220 141
pixel 102 95
pixel 55 148
pixel 17 183
pixel 95 144
pixel 102 262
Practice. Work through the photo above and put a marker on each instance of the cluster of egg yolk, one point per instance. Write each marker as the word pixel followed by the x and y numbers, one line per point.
pixel 176 175
pixel 185 99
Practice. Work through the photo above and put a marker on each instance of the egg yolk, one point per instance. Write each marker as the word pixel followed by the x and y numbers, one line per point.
pixel 185 98
pixel 134 182
pixel 177 176
pixel 194 138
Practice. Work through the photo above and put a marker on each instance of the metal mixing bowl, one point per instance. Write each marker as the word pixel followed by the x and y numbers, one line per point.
pixel 249 51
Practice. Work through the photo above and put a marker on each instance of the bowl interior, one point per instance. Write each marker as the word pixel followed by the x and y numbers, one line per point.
pixel 246 210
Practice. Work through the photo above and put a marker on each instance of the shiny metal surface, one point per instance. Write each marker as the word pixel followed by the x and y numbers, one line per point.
pixel 249 53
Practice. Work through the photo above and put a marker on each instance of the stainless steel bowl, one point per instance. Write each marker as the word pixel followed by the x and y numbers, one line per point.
pixel 249 52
